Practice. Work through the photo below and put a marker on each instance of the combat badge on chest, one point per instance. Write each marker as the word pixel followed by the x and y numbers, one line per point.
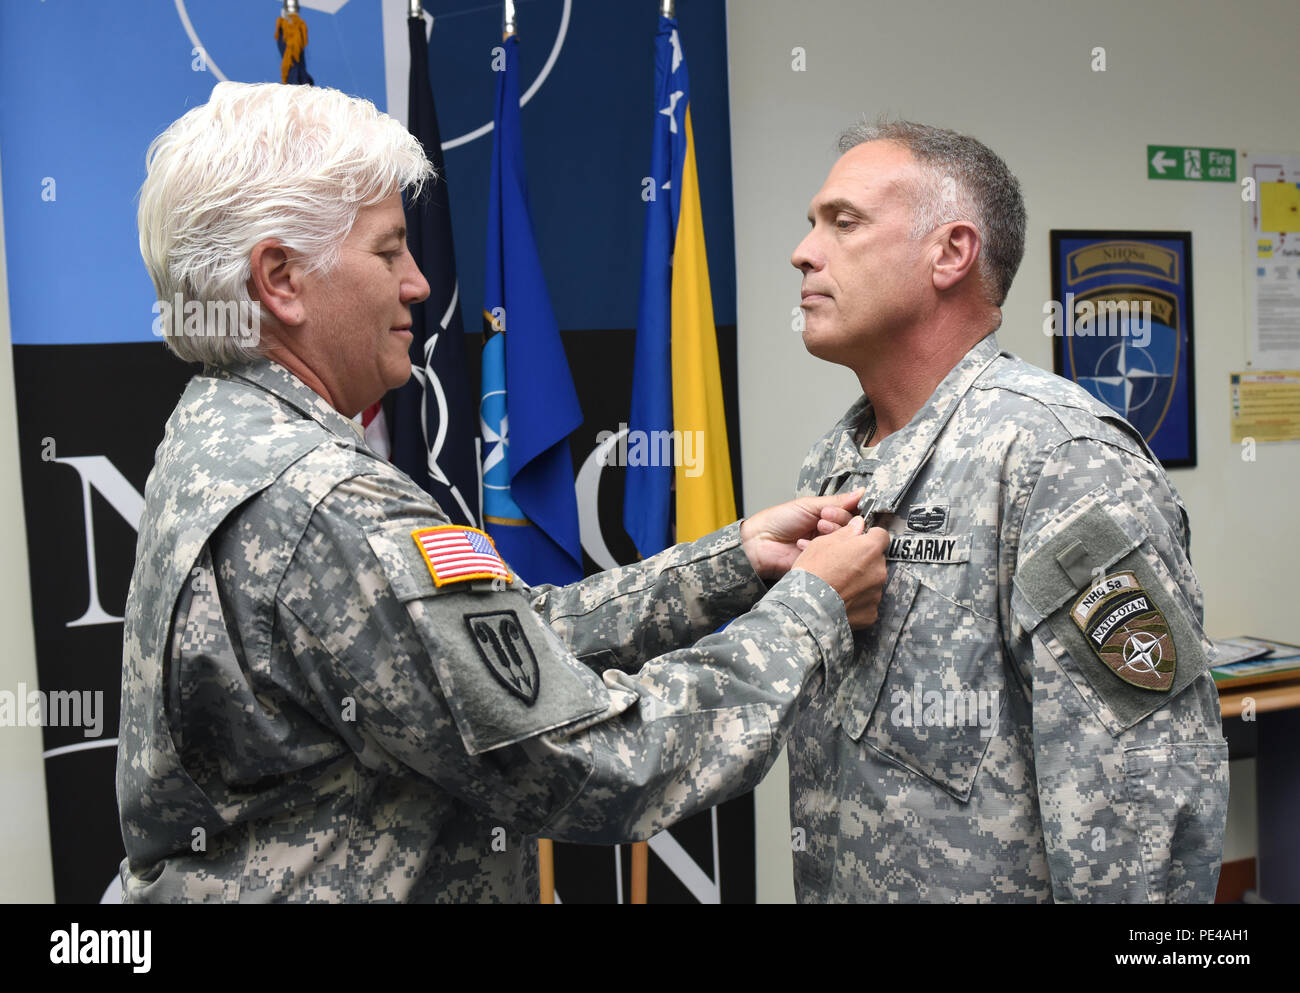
pixel 927 539
pixel 1127 631
pixel 928 518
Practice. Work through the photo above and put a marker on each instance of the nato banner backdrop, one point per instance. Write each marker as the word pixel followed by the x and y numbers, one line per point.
pixel 89 84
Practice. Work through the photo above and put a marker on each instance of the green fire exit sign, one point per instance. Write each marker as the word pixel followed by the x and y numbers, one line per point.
pixel 1208 165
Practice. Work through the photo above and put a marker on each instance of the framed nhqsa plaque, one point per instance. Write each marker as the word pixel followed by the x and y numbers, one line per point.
pixel 1121 320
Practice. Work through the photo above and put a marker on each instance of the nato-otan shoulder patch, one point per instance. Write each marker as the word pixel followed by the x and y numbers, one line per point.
pixel 1127 631
pixel 500 641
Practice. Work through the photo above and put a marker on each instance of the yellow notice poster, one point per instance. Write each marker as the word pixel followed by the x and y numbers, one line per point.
pixel 1265 405
pixel 1279 207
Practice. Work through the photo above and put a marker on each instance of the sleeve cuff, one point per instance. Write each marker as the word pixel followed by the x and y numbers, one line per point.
pixel 731 565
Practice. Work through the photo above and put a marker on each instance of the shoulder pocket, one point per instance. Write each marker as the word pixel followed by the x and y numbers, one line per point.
pixel 1119 624
pixel 505 675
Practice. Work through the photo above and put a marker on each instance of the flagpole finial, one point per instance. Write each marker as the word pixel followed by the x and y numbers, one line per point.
pixel 510 25
pixel 667 8
pixel 415 10
pixel 290 7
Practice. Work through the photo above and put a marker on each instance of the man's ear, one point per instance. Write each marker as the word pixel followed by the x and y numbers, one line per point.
pixel 958 249
pixel 276 280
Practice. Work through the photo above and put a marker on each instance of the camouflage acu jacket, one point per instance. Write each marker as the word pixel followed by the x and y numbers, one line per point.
pixel 1031 717
pixel 307 716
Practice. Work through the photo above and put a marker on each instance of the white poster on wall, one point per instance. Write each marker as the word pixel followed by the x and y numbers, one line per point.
pixel 1273 258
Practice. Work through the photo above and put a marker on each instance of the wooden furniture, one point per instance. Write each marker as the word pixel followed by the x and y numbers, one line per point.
pixel 1261 720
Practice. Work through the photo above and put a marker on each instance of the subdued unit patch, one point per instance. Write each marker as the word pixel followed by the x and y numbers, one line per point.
pixel 1125 629
pixel 501 644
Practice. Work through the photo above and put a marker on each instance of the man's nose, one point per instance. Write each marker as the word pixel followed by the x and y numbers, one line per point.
pixel 805 257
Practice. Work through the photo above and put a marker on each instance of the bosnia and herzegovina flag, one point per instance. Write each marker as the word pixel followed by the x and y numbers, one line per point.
pixel 529 406
pixel 676 381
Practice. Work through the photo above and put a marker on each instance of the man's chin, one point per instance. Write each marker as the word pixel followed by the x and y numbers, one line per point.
pixel 819 346
pixel 400 376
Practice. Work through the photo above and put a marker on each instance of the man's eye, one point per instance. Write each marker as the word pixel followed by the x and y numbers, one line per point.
pixel 844 222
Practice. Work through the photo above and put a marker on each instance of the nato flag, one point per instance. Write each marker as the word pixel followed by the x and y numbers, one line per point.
pixel 432 418
pixel 529 405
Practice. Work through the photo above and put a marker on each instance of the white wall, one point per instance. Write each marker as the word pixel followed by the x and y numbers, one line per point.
pixel 25 870
pixel 1017 74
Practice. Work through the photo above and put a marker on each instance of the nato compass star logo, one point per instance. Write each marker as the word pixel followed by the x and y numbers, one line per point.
pixel 1125 378
pixel 1142 653
pixel 1133 364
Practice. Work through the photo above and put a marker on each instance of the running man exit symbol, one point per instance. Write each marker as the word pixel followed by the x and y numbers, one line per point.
pixel 1206 165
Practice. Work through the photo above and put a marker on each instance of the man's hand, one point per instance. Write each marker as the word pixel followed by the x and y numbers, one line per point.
pixel 853 562
pixel 771 537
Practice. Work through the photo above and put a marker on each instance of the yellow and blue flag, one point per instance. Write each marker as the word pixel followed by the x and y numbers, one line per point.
pixel 676 380
pixel 529 405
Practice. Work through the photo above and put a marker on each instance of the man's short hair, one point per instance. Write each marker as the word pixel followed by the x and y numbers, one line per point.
pixel 962 180
pixel 258 161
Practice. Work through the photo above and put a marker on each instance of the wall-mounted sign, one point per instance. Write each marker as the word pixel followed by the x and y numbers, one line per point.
pixel 1122 320
pixel 1207 165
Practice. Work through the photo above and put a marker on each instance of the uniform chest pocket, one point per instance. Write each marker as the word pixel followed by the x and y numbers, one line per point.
pixel 926 687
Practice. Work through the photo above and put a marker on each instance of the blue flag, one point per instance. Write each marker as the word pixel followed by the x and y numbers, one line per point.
pixel 529 406
pixel 647 500
pixel 431 418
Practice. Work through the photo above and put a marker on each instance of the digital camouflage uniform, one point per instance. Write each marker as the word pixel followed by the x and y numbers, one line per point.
pixel 1039 584
pixel 307 716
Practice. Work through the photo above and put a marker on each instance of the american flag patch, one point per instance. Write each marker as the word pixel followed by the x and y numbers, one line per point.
pixel 455 554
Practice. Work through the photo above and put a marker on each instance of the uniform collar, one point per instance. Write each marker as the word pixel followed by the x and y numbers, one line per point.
pixel 901 455
pixel 268 375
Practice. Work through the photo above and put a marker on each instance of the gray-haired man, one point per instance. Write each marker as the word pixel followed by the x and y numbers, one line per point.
pixel 1031 717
